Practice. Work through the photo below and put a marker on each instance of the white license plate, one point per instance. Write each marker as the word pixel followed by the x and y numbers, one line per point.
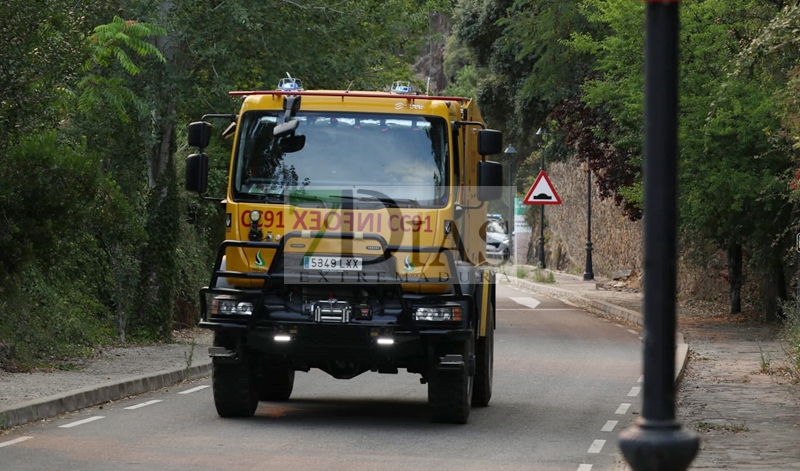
pixel 332 263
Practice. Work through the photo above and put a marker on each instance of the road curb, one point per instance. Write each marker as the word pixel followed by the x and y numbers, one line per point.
pixel 44 408
pixel 681 350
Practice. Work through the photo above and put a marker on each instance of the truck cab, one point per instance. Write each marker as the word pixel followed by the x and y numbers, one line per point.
pixel 354 243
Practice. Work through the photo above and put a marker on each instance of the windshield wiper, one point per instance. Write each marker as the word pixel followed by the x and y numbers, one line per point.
pixel 374 198
pixel 273 197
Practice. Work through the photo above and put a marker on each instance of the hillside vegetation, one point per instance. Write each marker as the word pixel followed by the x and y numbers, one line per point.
pixel 576 69
pixel 98 241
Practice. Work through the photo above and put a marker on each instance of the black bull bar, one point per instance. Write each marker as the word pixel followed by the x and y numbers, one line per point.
pixel 276 271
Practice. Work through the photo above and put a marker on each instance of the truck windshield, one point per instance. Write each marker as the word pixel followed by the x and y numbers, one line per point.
pixel 398 157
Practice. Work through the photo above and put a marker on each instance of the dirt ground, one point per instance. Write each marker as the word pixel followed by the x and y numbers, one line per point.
pixel 739 393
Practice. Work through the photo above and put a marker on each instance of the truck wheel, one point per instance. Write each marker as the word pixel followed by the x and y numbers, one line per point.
pixel 484 365
pixel 234 385
pixel 276 383
pixel 450 391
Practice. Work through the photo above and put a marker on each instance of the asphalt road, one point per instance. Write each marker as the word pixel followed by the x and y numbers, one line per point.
pixel 562 381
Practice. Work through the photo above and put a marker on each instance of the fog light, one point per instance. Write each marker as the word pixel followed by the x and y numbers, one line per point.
pixel 230 307
pixel 438 314
pixel 282 338
pixel 385 341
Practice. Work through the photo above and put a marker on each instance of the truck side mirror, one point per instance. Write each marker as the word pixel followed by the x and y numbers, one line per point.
pixel 197 173
pixel 291 144
pixel 490 142
pixel 490 181
pixel 283 130
pixel 199 134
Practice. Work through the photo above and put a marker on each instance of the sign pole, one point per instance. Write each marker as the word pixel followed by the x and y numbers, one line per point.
pixel 542 192
pixel 657 441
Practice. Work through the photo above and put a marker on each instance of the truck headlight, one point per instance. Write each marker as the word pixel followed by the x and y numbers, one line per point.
pixel 231 307
pixel 438 314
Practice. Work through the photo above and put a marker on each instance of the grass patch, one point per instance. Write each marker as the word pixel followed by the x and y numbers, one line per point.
pixel 766 360
pixel 706 427
pixel 543 276
pixel 790 339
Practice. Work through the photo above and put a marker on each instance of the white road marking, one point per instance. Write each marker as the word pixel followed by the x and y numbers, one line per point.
pixel 609 426
pixel 14 441
pixel 84 421
pixel 641 379
pixel 144 404
pixel 527 302
pixel 189 391
pixel 620 326
pixel 634 391
pixel 597 446
pixel 622 409
pixel 585 467
pixel 633 332
pixel 540 309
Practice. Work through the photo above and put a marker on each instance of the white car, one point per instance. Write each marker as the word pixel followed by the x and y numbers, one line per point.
pixel 498 243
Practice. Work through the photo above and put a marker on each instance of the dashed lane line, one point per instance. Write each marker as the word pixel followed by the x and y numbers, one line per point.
pixel 81 422
pixel 144 404
pixel 641 379
pixel 597 446
pixel 189 391
pixel 623 409
pixel 14 441
pixel 585 467
pixel 609 426
pixel 633 331
pixel 634 391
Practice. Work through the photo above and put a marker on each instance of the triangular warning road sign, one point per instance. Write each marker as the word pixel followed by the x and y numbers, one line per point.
pixel 542 191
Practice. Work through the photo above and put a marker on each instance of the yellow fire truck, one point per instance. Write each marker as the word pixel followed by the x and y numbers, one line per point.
pixel 354 243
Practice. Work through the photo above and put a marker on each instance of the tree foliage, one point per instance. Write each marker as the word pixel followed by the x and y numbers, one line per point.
pixel 111 87
pixel 577 67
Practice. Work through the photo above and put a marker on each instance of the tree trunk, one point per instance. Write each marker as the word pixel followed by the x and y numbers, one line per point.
pixel 160 268
pixel 775 290
pixel 734 256
pixel 161 152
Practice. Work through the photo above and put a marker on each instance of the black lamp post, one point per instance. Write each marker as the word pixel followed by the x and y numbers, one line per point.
pixel 588 273
pixel 543 133
pixel 657 441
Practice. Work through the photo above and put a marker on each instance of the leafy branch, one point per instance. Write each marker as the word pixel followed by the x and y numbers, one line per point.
pixel 112 42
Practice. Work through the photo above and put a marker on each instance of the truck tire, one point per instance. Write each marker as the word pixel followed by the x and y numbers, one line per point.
pixel 277 383
pixel 484 364
pixel 233 384
pixel 450 391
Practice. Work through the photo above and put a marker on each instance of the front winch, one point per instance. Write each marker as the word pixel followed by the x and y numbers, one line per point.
pixel 332 311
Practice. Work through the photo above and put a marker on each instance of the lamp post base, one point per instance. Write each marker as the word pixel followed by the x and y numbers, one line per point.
pixel 588 273
pixel 655 445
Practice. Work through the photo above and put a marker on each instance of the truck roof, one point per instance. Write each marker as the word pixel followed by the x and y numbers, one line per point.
pixel 345 94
